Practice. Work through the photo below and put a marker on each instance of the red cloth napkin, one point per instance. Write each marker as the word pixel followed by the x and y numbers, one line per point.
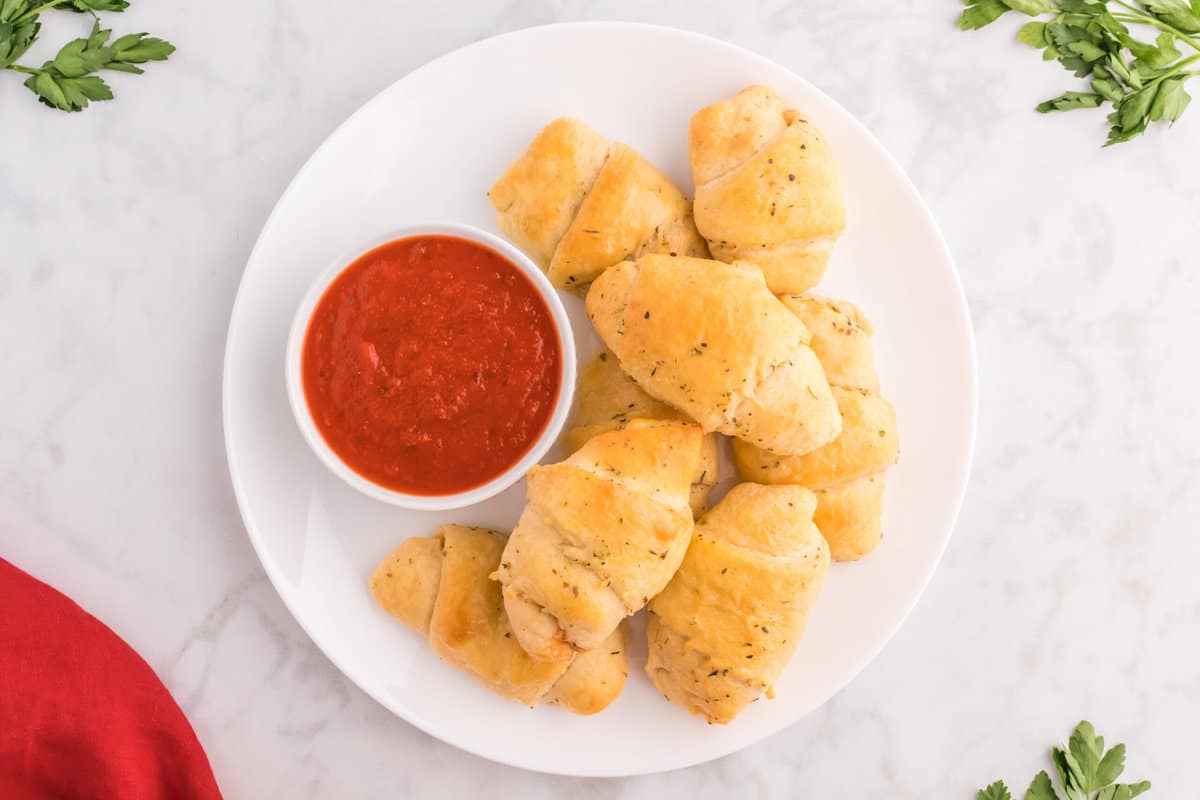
pixel 81 714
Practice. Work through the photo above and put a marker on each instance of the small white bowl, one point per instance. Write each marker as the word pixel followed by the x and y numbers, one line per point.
pixel 295 386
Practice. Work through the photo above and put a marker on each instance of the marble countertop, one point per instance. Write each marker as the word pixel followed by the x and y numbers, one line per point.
pixel 1068 590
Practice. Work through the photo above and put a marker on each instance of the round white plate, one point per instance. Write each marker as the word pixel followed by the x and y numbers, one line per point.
pixel 428 148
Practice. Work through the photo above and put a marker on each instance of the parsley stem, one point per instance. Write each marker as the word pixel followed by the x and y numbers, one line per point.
pixel 1140 16
pixel 19 68
pixel 1175 69
pixel 28 15
pixel 1162 26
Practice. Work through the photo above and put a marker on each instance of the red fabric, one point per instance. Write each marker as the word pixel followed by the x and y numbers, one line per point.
pixel 81 714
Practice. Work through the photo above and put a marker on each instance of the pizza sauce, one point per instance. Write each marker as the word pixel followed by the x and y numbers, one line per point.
pixel 431 365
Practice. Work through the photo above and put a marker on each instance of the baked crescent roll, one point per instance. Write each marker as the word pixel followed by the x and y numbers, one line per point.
pixel 768 190
pixel 729 621
pixel 439 586
pixel 848 473
pixel 850 516
pixel 841 338
pixel 607 400
pixel 579 203
pixel 601 534
pixel 710 339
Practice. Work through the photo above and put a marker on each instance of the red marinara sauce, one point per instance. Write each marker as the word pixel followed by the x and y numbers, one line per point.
pixel 431 365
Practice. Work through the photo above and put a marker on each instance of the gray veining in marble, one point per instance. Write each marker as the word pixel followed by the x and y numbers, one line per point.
pixel 1069 589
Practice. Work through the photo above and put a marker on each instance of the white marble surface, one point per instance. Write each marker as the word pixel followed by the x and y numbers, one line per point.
pixel 1068 590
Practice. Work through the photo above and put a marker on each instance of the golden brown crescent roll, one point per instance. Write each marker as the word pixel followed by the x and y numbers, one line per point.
pixel 848 473
pixel 841 338
pixel 710 339
pixel 729 621
pixel 768 190
pixel 579 203
pixel 607 400
pixel 601 534
pixel 439 586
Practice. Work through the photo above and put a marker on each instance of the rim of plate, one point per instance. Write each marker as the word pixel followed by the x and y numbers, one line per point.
pixel 966 330
pixel 298 334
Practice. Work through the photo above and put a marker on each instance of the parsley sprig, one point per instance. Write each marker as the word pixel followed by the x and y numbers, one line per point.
pixel 1086 771
pixel 1143 81
pixel 71 80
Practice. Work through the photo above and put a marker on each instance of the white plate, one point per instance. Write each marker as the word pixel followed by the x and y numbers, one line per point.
pixel 428 148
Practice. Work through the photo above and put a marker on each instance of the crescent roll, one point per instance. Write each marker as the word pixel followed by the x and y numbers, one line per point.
pixel 848 473
pixel 729 621
pixel 439 586
pixel 578 203
pixel 768 190
pixel 608 399
pixel 602 533
pixel 711 340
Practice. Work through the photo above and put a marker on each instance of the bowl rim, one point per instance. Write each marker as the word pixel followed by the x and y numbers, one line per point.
pixel 299 403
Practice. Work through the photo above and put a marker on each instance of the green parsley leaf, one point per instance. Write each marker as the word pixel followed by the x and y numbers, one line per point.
pixel 1178 13
pixel 1069 38
pixel 1033 34
pixel 1133 109
pixel 80 57
pixel 91 6
pixel 1075 781
pixel 11 10
pixel 68 81
pixel 15 40
pixel 1141 787
pixel 1106 86
pixel 1069 101
pixel 1041 789
pixel 1111 766
pixel 1085 771
pixel 138 48
pixel 68 94
pixel 48 90
pixel 1170 101
pixel 1142 81
pixel 1058 756
pixel 1166 46
pixel 979 13
pixel 997 791
pixel 1156 55
pixel 1066 31
pixel 1108 23
pixel 1118 67
pixel 1087 51
pixel 1030 7
pixel 1123 791
pixel 1080 6
pixel 1086 751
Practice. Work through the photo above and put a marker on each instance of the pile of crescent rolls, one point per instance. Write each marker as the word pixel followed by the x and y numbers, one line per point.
pixel 710 331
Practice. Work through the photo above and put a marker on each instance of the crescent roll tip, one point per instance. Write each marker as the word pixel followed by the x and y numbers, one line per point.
pixel 441 587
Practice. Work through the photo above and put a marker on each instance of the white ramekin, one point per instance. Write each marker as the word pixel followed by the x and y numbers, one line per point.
pixel 308 428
